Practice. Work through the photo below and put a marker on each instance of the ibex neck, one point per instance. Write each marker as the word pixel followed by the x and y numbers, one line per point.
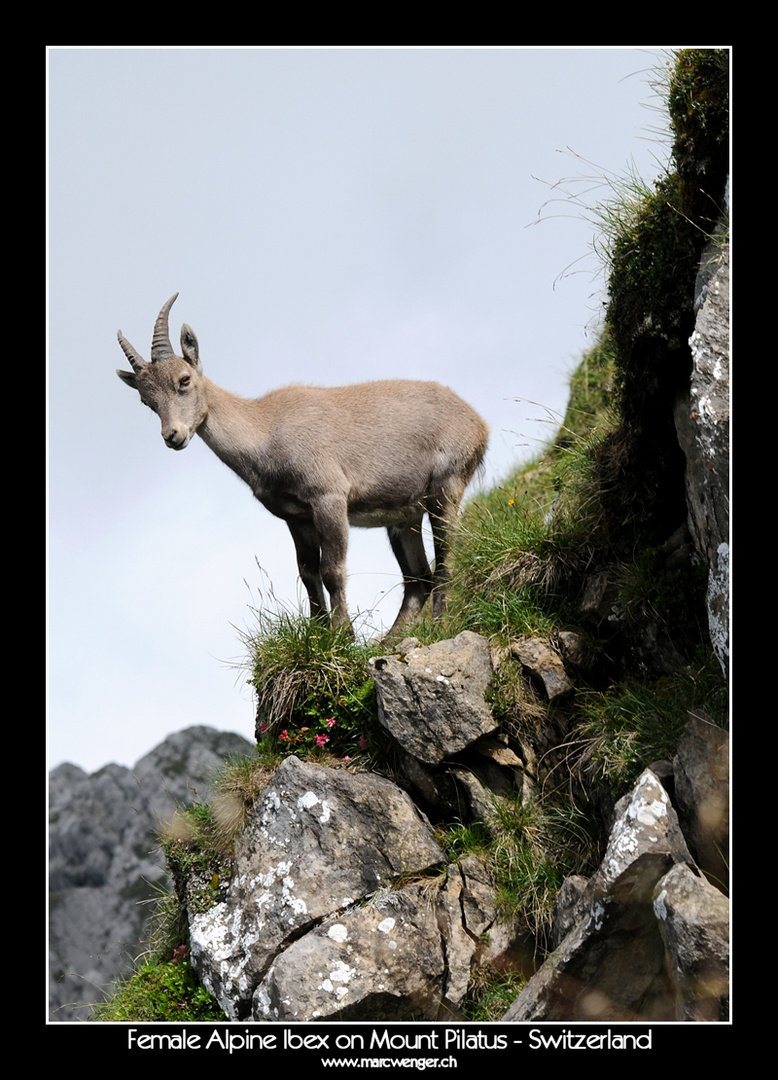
pixel 231 428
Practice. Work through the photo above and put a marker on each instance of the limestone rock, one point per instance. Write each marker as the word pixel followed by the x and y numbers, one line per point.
pixel 694 923
pixel 702 423
pixel 431 700
pixel 383 961
pixel 701 771
pixel 319 841
pixel 611 965
pixel 543 662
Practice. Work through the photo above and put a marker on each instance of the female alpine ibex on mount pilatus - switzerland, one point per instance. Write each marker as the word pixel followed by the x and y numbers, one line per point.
pixel 374 454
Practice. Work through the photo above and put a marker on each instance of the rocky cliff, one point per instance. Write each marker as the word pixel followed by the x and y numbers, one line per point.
pixel 342 904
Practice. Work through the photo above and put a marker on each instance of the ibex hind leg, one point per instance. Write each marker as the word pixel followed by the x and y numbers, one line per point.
pixel 443 507
pixel 408 547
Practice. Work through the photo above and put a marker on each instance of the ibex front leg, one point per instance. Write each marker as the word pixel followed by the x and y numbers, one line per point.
pixel 330 520
pixel 308 548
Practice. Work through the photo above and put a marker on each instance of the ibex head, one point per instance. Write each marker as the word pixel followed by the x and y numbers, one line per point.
pixel 170 385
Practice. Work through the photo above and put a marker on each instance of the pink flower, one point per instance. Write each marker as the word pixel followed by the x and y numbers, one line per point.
pixel 284 736
pixel 320 740
pixel 363 742
pixel 330 722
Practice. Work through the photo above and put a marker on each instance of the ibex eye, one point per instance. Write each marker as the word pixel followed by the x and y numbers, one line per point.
pixel 185 381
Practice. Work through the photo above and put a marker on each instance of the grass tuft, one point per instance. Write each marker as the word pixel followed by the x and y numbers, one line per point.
pixel 313 689
pixel 161 991
pixel 621 733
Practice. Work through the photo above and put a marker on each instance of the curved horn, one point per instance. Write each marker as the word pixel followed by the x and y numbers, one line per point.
pixel 136 360
pixel 160 343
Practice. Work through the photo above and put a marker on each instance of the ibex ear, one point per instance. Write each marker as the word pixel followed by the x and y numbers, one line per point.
pixel 190 348
pixel 128 377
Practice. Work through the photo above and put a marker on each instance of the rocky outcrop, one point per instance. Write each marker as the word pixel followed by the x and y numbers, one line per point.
pixel 342 904
pixel 320 841
pixel 702 423
pixel 647 937
pixel 105 863
pixel 693 919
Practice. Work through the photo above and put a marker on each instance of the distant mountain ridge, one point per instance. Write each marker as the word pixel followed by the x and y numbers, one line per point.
pixel 104 861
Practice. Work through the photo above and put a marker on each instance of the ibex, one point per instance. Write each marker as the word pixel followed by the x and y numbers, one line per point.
pixel 321 459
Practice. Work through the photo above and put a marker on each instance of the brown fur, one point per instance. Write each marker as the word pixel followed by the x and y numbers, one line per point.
pixel 372 454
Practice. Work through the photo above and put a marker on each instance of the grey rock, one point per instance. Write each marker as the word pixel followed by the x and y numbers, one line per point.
pixel 611 964
pixel 693 919
pixel 702 424
pixel 577 651
pixel 599 603
pixel 545 665
pixel 319 841
pixel 383 961
pixel 701 772
pixel 407 954
pixel 432 699
pixel 568 908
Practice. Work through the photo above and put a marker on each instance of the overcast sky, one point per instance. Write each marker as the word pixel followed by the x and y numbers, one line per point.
pixel 327 216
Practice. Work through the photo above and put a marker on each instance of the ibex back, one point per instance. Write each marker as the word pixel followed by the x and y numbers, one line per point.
pixel 373 454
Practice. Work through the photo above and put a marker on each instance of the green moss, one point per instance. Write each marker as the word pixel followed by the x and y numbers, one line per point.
pixel 163 991
pixel 653 266
pixel 698 105
pixel 654 257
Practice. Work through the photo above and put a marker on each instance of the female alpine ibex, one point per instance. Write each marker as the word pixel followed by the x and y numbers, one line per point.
pixel 374 454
